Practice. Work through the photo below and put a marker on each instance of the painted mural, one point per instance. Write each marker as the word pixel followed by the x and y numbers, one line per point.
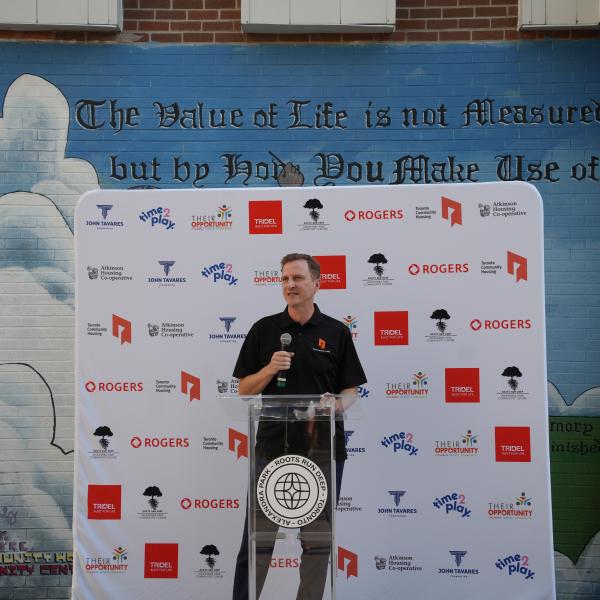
pixel 75 118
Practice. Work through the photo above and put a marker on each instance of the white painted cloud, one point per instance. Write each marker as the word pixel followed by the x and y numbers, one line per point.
pixel 33 139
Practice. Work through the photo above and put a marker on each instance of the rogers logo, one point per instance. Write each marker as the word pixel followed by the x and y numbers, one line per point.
pixel 285 563
pixel 496 324
pixel 437 269
pixel 374 215
pixel 163 442
pixel 114 386
pixel 209 503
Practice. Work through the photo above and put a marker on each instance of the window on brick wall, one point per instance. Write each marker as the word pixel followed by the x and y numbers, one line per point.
pixel 546 14
pixel 285 16
pixel 104 15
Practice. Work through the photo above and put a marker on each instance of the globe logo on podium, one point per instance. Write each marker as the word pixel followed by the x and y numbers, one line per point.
pixel 292 491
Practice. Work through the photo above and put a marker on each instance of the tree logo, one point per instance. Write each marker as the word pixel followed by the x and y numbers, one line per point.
pixel 153 492
pixel 210 550
pixel 378 260
pixel 292 491
pixel 316 223
pixel 314 205
pixel 440 315
pixel 103 432
pixel 512 373
pixel 440 334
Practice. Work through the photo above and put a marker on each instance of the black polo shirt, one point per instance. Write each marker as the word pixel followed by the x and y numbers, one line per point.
pixel 324 360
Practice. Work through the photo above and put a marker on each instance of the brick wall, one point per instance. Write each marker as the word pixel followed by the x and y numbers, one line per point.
pixel 218 21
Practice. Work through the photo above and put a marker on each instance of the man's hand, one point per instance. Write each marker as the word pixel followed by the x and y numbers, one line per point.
pixel 280 361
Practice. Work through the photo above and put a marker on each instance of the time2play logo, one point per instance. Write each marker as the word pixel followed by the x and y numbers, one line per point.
pixel 158 216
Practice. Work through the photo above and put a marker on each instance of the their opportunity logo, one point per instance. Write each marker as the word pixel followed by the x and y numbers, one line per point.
pixel 292 491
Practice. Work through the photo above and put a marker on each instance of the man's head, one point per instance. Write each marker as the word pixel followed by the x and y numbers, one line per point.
pixel 300 278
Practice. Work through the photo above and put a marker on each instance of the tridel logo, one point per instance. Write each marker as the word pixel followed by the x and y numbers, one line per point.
pixel 347 561
pixel 161 561
pixel 462 384
pixel 333 272
pixel 104 502
pixel 391 328
pixel 265 217
pixel 513 444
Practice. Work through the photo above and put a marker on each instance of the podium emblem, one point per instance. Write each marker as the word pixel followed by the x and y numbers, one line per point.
pixel 292 491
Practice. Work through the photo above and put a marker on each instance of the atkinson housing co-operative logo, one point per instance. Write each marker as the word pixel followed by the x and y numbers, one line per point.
pixel 292 491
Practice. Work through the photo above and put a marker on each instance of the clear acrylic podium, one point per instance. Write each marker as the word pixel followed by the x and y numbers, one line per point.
pixel 291 493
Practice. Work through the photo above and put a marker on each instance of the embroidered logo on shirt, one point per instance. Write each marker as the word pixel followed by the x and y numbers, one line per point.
pixel 322 344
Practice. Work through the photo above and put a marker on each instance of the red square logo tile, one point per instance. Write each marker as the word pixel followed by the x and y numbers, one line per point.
pixel 391 328
pixel 161 561
pixel 264 217
pixel 333 272
pixel 513 444
pixel 104 502
pixel 462 385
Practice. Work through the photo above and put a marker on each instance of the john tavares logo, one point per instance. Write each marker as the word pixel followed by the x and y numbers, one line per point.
pixel 452 502
pixel 400 442
pixel 352 450
pixel 228 336
pixel 104 208
pixel 167 267
pixel 220 272
pixel 105 222
pixel 400 507
pixel 460 570
pixel 515 564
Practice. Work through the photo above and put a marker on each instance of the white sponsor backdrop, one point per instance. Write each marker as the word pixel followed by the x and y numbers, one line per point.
pixel 446 490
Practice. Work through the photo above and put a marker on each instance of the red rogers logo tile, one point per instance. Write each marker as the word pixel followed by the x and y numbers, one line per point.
pixel 462 385
pixel 161 561
pixel 264 217
pixel 333 272
pixel 513 444
pixel 104 502
pixel 391 328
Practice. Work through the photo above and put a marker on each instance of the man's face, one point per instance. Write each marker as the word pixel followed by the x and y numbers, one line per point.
pixel 299 288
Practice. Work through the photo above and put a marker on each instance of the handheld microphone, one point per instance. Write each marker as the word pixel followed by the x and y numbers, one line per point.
pixel 286 340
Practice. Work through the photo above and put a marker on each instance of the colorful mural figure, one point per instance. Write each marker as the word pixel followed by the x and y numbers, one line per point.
pixel 64 133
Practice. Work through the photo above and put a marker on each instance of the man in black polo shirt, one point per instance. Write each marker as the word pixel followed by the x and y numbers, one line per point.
pixel 322 359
